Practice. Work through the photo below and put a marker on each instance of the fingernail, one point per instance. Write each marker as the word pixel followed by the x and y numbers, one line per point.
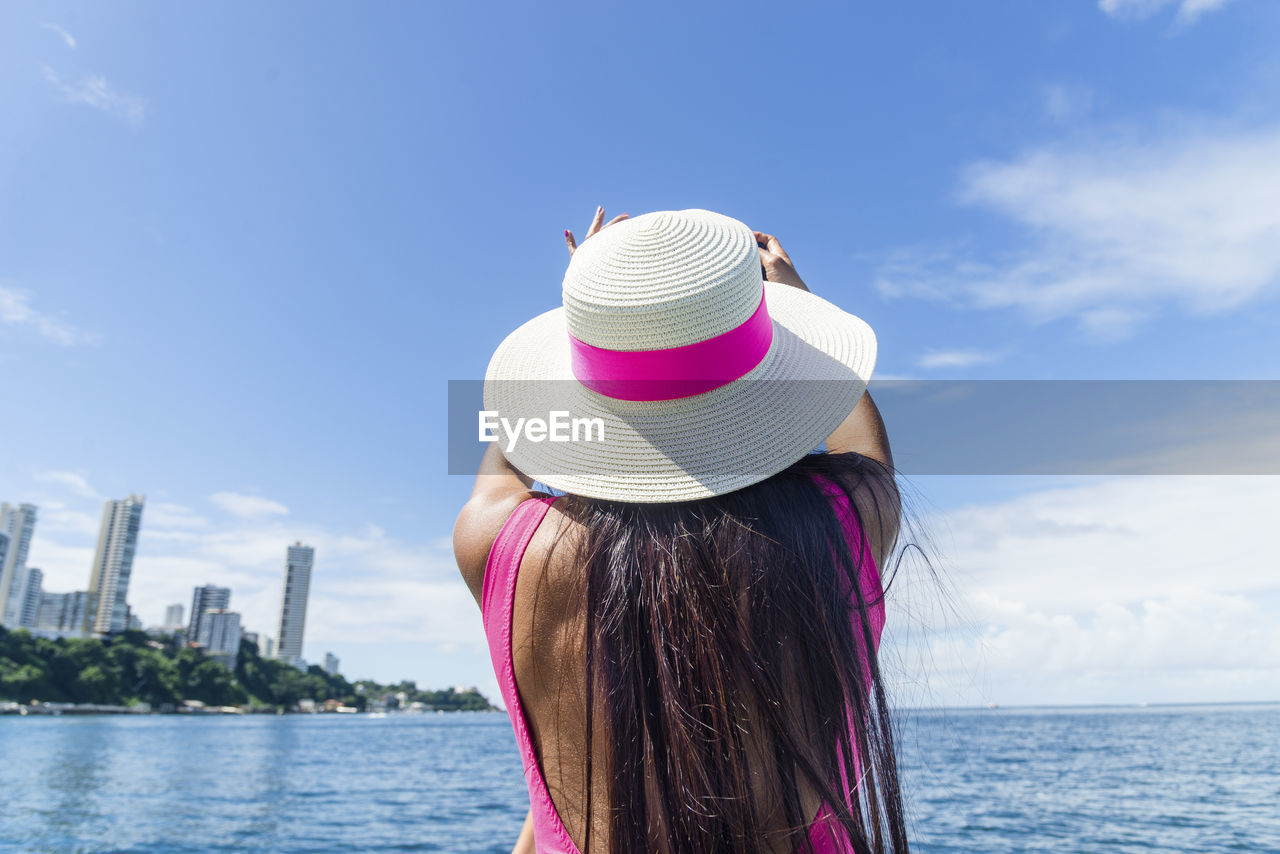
pixel 566 234
pixel 599 208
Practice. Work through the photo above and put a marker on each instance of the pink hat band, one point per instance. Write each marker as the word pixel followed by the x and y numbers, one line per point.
pixel 675 372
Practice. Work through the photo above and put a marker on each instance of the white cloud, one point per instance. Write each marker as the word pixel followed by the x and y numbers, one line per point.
pixel 936 359
pixel 16 310
pixel 93 90
pixel 1115 590
pixel 366 588
pixel 248 506
pixel 67 39
pixel 1106 590
pixel 1188 10
pixel 73 482
pixel 67 521
pixel 1117 229
pixel 165 515
pixel 1063 102
pixel 392 609
pixel 64 558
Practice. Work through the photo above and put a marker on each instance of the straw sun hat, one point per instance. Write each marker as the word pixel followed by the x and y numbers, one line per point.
pixel 677 372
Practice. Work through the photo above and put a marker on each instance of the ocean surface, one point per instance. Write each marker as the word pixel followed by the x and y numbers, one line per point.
pixel 1185 778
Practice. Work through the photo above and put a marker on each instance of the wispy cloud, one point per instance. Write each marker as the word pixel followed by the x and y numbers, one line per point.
pixel 391 608
pixel 1114 229
pixel 16 310
pixel 68 39
pixel 248 506
pixel 937 359
pixel 1063 102
pixel 168 516
pixel 1188 10
pixel 1101 592
pixel 93 90
pixel 73 482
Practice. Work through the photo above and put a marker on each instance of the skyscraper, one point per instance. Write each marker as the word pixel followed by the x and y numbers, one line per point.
pixel 18 521
pixel 4 554
pixel 66 613
pixel 293 602
pixel 113 562
pixel 31 598
pixel 173 616
pixel 331 664
pixel 220 635
pixel 207 598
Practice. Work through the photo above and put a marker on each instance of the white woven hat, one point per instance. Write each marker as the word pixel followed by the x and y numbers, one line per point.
pixel 677 371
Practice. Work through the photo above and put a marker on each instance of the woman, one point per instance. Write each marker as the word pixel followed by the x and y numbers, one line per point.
pixel 692 625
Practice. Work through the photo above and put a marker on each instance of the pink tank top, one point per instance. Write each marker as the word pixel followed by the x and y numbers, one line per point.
pixel 497 604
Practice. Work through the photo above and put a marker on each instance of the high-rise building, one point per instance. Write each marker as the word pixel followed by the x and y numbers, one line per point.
pixel 266 646
pixel 31 598
pixel 208 598
pixel 65 613
pixel 173 616
pixel 220 635
pixel 4 553
pixel 331 664
pixel 113 562
pixel 18 522
pixel 293 602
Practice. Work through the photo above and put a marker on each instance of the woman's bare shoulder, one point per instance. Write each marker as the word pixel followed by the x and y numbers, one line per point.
pixel 476 529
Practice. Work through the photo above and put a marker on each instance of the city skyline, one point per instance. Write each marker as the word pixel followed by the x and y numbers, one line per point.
pixel 104 608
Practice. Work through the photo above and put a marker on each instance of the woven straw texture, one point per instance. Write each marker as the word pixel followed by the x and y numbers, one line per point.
pixel 666 280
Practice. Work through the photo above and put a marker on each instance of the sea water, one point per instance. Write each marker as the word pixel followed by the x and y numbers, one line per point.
pixel 1191 778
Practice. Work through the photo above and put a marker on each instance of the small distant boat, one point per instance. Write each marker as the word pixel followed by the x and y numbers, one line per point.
pixel 377 714
pixel 993 705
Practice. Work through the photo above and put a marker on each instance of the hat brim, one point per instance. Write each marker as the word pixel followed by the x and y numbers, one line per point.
pixel 816 370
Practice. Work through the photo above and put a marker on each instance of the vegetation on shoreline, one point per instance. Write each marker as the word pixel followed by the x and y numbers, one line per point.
pixel 132 667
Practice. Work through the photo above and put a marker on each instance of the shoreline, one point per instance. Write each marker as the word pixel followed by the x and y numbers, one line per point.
pixel 14 709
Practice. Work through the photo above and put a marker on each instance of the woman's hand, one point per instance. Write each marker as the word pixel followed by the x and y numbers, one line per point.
pixel 776 262
pixel 597 223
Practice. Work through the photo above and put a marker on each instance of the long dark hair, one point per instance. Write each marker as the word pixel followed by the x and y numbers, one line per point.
pixel 716 624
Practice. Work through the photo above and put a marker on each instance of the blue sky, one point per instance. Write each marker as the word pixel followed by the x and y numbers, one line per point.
pixel 243 249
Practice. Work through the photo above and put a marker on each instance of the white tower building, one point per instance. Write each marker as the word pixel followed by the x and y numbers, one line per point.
pixel 18 521
pixel 173 616
pixel 293 602
pixel 31 598
pixel 113 563
pixel 205 599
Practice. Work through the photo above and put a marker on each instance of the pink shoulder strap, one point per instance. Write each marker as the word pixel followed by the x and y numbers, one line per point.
pixel 869 583
pixel 497 601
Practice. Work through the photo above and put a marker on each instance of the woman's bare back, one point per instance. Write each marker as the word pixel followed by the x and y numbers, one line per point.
pixel 548 633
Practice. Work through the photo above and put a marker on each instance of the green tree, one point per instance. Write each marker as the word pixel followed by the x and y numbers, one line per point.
pixel 133 667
